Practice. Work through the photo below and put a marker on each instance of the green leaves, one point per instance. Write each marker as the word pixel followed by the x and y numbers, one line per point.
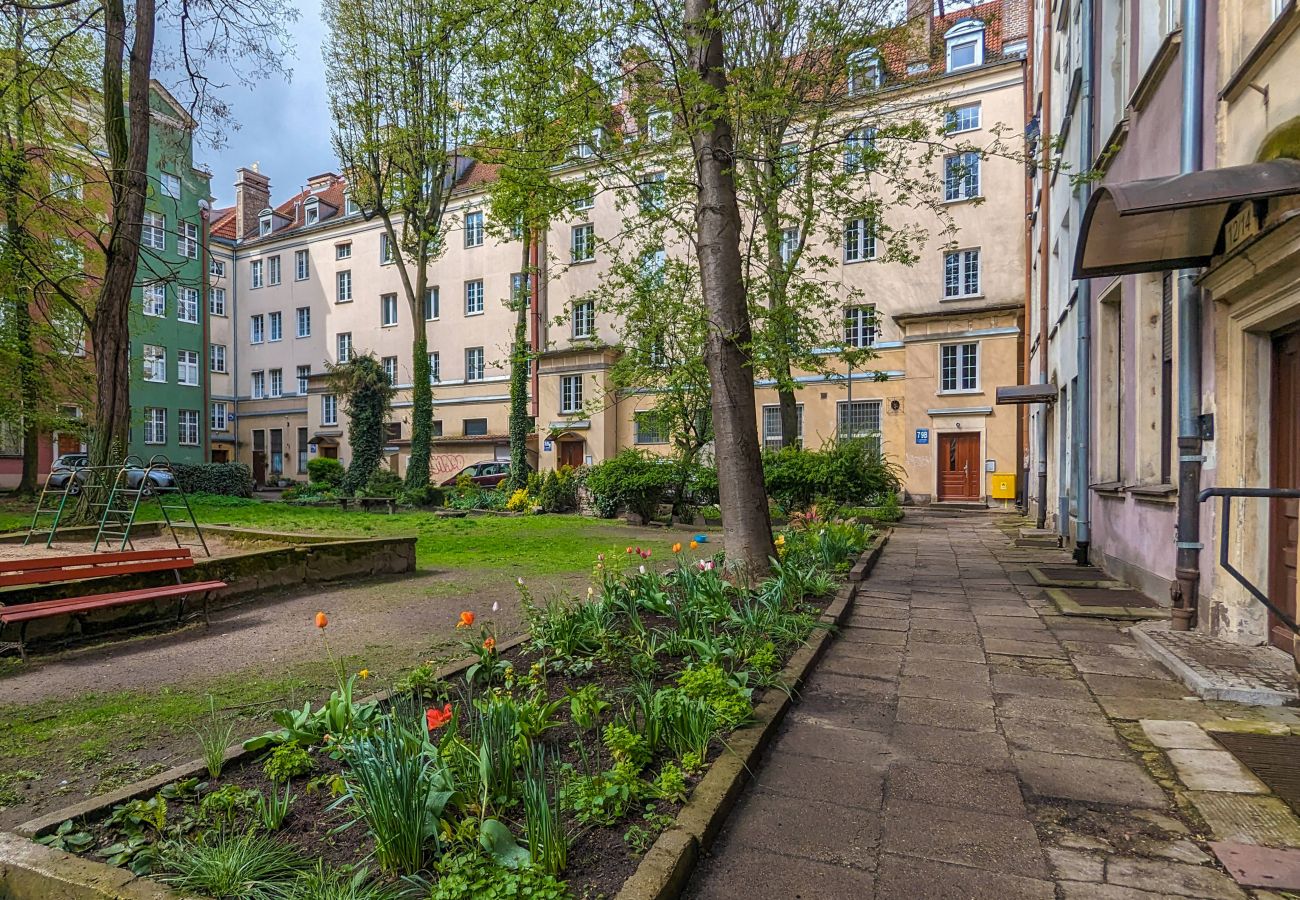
pixel 501 845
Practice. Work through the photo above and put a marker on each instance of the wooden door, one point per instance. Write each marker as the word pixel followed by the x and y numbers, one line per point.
pixel 69 443
pixel 1284 515
pixel 960 471
pixel 570 453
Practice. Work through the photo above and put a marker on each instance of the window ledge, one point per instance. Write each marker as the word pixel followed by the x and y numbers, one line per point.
pixel 1164 494
pixel 1108 488
pixel 469 315
pixel 1165 54
pixel 961 297
pixel 581 262
pixel 1272 41
pixel 971 199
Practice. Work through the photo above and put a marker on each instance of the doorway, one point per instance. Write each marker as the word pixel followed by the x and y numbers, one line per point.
pixel 1284 455
pixel 960 472
pixel 570 453
pixel 259 457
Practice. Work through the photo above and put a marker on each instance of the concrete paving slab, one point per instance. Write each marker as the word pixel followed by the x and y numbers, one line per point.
pixel 862 786
pixel 730 875
pixel 1076 865
pixel 1146 708
pixel 877 622
pixel 872 636
pixel 1123 686
pixel 953 670
pixel 875 713
pixel 1214 770
pixel 968 837
pixel 1011 647
pixel 1034 686
pixel 930 636
pixel 964 715
pixel 1173 878
pixel 944 689
pixel 1264 867
pixel 1177 735
pixel 1248 818
pixel 969 748
pixel 1064 737
pixel 837 835
pixel 1084 712
pixel 959 653
pixel 963 787
pixel 841 745
pixel 1110 781
pixel 909 878
pixel 882 666
pixel 1116 665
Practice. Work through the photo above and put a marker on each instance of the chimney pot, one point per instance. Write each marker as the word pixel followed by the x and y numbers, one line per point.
pixel 252 195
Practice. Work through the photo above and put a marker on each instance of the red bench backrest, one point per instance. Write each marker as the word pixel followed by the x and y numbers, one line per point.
pixel 53 569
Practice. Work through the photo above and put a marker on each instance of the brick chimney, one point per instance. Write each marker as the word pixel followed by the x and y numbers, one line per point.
pixel 252 195
pixel 920 25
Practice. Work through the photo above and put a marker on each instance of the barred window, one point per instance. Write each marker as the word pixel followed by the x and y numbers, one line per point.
pixel 772 425
pixel 858 419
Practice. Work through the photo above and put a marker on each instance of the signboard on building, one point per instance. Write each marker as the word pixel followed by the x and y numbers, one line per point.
pixel 923 435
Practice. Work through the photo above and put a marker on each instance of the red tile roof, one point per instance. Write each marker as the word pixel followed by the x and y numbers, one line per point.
pixel 1004 20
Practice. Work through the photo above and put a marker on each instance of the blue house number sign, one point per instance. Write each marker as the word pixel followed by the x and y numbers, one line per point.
pixel 923 435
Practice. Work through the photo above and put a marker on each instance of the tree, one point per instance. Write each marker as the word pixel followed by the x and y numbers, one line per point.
pixel 368 398
pixel 395 70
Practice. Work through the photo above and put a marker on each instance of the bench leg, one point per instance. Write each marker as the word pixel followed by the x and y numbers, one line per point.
pixel 22 642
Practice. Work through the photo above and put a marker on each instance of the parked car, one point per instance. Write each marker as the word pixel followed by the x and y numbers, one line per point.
pixel 489 473
pixel 65 467
pixel 72 465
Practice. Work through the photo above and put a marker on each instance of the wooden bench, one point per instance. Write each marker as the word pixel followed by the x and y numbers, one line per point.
pixel 366 503
pixel 59 569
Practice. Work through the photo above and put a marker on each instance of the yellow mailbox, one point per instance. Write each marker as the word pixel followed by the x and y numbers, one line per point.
pixel 1003 486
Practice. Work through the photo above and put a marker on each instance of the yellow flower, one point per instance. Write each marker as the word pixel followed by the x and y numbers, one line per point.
pixel 695 545
pixel 677 547
pixel 364 673
pixel 780 540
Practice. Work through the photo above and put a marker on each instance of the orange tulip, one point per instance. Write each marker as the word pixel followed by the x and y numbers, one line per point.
pixel 695 545
pixel 436 718
pixel 322 620
pixel 490 644
pixel 677 547
pixel 466 619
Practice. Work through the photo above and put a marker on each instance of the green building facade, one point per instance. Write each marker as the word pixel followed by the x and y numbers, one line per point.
pixel 169 314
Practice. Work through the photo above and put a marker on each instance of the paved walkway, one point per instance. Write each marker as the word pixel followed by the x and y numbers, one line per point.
pixel 957 742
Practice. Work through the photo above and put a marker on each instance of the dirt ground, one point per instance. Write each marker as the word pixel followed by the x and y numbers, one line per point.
pixel 217 546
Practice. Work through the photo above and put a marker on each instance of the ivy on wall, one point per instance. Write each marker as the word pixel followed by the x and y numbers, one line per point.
pixel 368 397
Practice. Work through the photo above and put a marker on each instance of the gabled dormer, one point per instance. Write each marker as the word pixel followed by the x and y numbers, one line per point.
pixel 964 43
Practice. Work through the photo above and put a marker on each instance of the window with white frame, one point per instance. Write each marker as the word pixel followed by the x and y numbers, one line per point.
pixel 301 266
pixel 343 286
pixel 273 270
pixel 255 273
pixel 329 409
pixel 343 251
pixel 570 394
pixel 474 228
pixel 789 244
pixel 275 323
pixel 390 368
pixel 170 185
pixel 311 212
pixel 256 329
pixel 435 368
pixel 187 240
pixel 961 176
pixel 772 425
pixel 187 427
pixel 965 45
pixel 155 363
pixel 788 162
pixel 961 274
pixel 962 118
pixel 865 72
pixel 431 304
pixel 959 367
pixel 650 427
pixel 858 419
pixel 859 240
pixel 521 289
pixel 582 243
pixel 584 202
pixel 65 186
pixel 265 222
pixel 652 191
pixel 217 358
pixel 302 317
pixel 473 363
pixel 155 299
pixel 187 305
pixel 304 376
pixel 385 249
pixel 343 346
pixel 258 385
pixel 216 268
pixel 277 382
pixel 350 206
pixel 388 310
pixel 860 325
pixel 153 233
pixel 155 425
pixel 587 147
pixel 474 297
pixel 859 144
pixel 187 367
pixel 584 319
pixel 217 301
pixel 220 415
pixel 658 124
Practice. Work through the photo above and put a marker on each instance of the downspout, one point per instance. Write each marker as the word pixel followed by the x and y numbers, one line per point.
pixel 1083 308
pixel 205 353
pixel 1044 217
pixel 233 299
pixel 1026 346
pixel 1187 570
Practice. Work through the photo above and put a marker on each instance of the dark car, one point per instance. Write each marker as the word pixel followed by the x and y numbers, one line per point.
pixel 484 474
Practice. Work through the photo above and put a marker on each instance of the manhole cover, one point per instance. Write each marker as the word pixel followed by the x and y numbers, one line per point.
pixel 1108 597
pixel 1074 573
pixel 1275 760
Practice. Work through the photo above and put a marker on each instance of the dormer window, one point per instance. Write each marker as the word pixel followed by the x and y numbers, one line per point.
pixel 865 72
pixel 264 222
pixel 658 124
pixel 312 213
pixel 350 206
pixel 965 42
pixel 587 148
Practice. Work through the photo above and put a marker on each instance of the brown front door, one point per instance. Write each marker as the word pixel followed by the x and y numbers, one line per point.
pixel 69 443
pixel 959 467
pixel 570 453
pixel 1284 515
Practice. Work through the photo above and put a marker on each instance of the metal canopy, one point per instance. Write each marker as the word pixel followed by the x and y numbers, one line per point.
pixel 1173 222
pixel 1026 393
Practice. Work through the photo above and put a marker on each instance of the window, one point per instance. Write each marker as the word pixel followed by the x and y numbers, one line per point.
pixel 587 148
pixel 301 267
pixel 435 368
pixel 390 368
pixel 259 385
pixel 312 211
pixel 436 431
pixel 303 319
pixel 276 322
pixel 859 144
pixel 649 428
pixel 859 240
pixel 788 162
pixel 155 425
pixel 350 206
pixel 388 310
pixel 303 451
pixel 187 240
pixel 265 222
pixel 187 427
pixel 860 326
pixel 584 319
pixel 187 367
pixel 582 244
pixel 256 329
pixel 343 287
pixel 473 427
pixel 187 305
pixel 65 186
pixel 965 45
pixel 216 268
pixel 431 304
pixel 474 229
pixel 155 299
pixel 958 367
pixel 571 394
pixel 865 72
pixel 273 270
pixel 385 249
pixel 220 415
pixel 474 364
pixel 772 426
pixel 155 363
pixel 255 273
pixel 217 301
pixel 658 124
pixel 329 409
pixel 584 203
pixel 153 232
pixel 304 375
pixel 343 346
pixel 962 118
pixel 789 244
pixel 217 357
pixel 343 251
pixel 277 382
pixel 474 297
pixel 961 274
pixel 961 176
pixel 858 419
pixel 170 185
pixel 521 289
pixel 653 191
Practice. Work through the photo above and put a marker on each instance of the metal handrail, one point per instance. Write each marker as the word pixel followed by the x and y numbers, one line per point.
pixel 1265 493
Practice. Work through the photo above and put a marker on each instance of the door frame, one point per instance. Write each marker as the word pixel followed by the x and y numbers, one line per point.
pixel 938 463
pixel 1278 634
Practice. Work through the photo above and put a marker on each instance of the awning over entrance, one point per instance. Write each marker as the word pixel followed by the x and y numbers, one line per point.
pixel 1173 222
pixel 1027 393
pixel 325 438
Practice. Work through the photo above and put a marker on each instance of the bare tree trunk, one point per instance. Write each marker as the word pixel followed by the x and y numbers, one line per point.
pixel 747 527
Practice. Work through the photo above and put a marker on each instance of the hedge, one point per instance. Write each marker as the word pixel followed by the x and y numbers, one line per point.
pixel 230 479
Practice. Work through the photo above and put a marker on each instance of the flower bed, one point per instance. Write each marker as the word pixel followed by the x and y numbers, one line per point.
pixel 545 769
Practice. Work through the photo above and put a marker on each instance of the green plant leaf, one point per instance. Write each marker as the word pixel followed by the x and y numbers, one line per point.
pixel 502 846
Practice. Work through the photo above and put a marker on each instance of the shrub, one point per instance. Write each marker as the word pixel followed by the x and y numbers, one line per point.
pixel 727 697
pixel 429 495
pixel 558 491
pixel 848 472
pixel 326 471
pixel 632 479
pixel 383 483
pixel 519 501
pixel 229 479
pixel 472 877
pixel 291 760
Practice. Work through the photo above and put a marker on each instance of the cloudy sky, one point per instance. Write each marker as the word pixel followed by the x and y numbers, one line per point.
pixel 284 124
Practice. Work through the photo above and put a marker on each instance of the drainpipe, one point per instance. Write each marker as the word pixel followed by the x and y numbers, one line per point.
pixel 1022 415
pixel 1083 308
pixel 205 353
pixel 1044 217
pixel 1187 569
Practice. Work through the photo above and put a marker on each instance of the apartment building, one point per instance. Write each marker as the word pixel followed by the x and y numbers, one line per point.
pixel 307 281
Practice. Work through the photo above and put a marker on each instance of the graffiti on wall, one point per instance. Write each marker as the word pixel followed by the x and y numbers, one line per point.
pixel 446 463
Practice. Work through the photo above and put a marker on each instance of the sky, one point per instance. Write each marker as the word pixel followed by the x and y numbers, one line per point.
pixel 284 124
